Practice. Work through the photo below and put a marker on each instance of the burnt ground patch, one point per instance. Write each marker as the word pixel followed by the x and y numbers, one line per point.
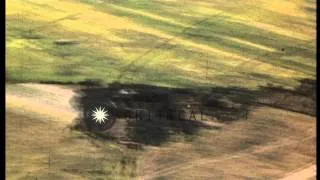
pixel 149 115
pixel 300 100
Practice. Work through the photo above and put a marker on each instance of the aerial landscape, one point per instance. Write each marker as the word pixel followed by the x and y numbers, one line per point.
pixel 160 89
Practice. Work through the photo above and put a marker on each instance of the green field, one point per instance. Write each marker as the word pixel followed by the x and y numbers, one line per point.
pixel 167 43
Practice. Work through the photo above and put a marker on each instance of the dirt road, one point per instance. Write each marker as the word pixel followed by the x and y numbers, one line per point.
pixel 45 100
pixel 301 174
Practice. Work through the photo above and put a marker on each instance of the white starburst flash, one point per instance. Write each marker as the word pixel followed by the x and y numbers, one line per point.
pixel 100 115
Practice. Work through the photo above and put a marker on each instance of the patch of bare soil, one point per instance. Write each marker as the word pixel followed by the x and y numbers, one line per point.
pixel 234 133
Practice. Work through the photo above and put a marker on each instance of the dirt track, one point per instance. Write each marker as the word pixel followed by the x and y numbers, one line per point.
pixel 52 101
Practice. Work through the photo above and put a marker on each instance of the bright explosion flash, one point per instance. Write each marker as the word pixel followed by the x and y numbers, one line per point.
pixel 100 115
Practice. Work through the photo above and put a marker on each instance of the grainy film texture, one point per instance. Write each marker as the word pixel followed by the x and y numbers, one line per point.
pixel 160 89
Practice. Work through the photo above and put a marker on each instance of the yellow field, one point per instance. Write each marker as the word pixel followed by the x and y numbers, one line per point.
pixel 98 29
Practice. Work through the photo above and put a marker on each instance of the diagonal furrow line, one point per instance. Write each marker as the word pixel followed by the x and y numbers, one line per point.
pixel 165 43
pixel 243 153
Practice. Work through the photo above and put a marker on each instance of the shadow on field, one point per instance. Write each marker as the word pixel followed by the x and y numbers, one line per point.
pixel 301 100
pixel 146 114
